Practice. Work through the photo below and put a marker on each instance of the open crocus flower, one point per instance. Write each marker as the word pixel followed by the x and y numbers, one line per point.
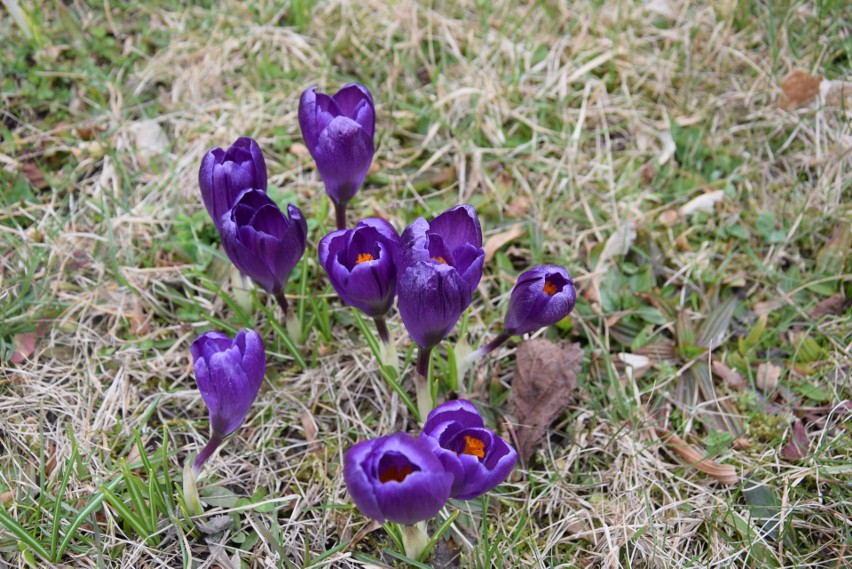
pixel 338 131
pixel 477 457
pixel 228 373
pixel 224 174
pixel 261 242
pixel 397 478
pixel 361 265
pixel 442 265
pixel 543 295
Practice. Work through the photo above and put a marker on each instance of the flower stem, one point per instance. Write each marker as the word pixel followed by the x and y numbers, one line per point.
pixel 483 351
pixel 414 540
pixel 382 329
pixel 340 214
pixel 421 383
pixel 209 448
pixel 282 301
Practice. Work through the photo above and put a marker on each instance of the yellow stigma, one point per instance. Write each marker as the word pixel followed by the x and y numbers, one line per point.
pixel 549 288
pixel 363 258
pixel 396 474
pixel 440 260
pixel 474 446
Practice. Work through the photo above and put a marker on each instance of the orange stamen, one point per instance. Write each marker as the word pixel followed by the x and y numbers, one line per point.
pixel 396 474
pixel 549 288
pixel 440 260
pixel 474 446
pixel 363 258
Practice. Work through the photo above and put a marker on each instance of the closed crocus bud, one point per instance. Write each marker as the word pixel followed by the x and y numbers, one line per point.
pixel 543 295
pixel 397 478
pixel 442 265
pixel 362 265
pixel 224 174
pixel 261 241
pixel 477 457
pixel 338 131
pixel 228 373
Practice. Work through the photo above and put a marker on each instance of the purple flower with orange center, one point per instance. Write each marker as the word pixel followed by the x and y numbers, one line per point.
pixel 478 458
pixel 543 296
pixel 397 478
pixel 362 266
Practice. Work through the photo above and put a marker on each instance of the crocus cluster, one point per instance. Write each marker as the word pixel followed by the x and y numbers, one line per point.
pixel 403 479
pixel 261 241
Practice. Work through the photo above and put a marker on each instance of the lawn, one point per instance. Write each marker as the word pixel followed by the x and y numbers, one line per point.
pixel 687 163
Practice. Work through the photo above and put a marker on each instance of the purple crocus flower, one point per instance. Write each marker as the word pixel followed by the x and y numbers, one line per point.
pixel 338 131
pixel 224 174
pixel 477 457
pixel 397 478
pixel 442 265
pixel 361 265
pixel 543 295
pixel 261 242
pixel 228 373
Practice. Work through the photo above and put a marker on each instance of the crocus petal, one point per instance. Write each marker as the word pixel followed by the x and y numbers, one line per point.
pixel 532 307
pixel 404 497
pixel 356 102
pixel 432 297
pixel 458 411
pixel 343 155
pixel 308 118
pixel 229 374
pixel 414 243
pixel 458 226
pixel 225 174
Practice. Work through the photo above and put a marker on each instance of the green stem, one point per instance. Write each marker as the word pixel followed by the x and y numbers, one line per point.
pixel 425 403
pixel 340 215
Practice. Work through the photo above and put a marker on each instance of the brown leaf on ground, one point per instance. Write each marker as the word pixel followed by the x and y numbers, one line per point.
pixel 799 88
pixel 724 473
pixel 35 176
pixel 310 427
pixel 24 346
pixel 495 242
pixel 732 378
pixel 767 376
pixel 6 497
pixel 831 306
pixel 545 378
pixel 797 448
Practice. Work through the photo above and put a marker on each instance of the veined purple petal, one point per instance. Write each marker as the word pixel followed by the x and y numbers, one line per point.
pixel 343 156
pixel 225 174
pixel 543 296
pixel 432 297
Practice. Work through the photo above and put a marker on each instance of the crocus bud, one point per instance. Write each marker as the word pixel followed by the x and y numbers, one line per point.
pixel 228 373
pixel 338 131
pixel 261 242
pixel 543 295
pixel 442 265
pixel 477 457
pixel 397 478
pixel 225 174
pixel 361 264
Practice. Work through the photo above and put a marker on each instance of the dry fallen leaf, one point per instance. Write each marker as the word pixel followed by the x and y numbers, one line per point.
pixel 797 448
pixel 24 347
pixel 799 88
pixel 669 218
pixel 310 427
pixel 544 381
pixel 831 306
pixel 724 473
pixel 35 176
pixel 6 497
pixel 767 377
pixel 151 141
pixel 495 242
pixel 732 378
pixel 704 203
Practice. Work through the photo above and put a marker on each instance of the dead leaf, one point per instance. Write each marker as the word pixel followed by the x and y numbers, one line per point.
pixel 310 428
pixel 299 149
pixel 797 448
pixel 766 307
pixel 669 218
pixel 35 176
pixel 741 444
pixel 519 207
pixel 6 497
pixel 24 346
pixel 618 243
pixel 767 377
pixel 703 203
pixel 214 525
pixel 638 363
pixel 799 88
pixel 732 378
pixel 495 242
pixel 544 381
pixel 724 473
pixel 831 306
